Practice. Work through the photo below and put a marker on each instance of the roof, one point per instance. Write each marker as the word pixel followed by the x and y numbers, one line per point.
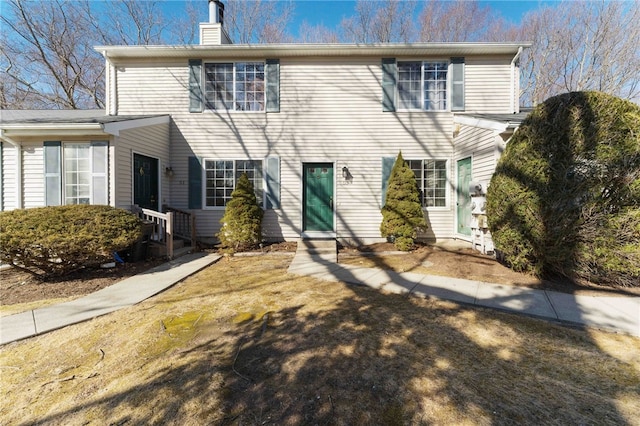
pixel 61 116
pixel 301 49
pixel 494 121
pixel 67 122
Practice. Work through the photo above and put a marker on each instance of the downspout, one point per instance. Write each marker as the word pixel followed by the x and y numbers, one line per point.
pixel 515 97
pixel 6 138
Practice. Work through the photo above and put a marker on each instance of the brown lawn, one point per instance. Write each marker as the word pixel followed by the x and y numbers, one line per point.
pixel 243 342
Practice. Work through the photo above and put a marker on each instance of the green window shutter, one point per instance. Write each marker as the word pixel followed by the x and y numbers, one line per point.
pixel 196 101
pixel 272 75
pixel 272 178
pixel 457 84
pixel 387 165
pixel 195 183
pixel 389 71
pixel 53 173
pixel 100 172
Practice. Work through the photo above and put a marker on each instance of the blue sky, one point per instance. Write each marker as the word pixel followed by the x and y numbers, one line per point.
pixel 331 12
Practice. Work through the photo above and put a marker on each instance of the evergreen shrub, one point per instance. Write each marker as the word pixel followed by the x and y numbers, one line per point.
pixel 57 240
pixel 565 197
pixel 402 215
pixel 242 220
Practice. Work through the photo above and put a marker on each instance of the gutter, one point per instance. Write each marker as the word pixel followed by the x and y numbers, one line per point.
pixel 515 97
pixel 4 137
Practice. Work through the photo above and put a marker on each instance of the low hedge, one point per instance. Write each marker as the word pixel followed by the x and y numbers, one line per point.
pixel 565 197
pixel 54 241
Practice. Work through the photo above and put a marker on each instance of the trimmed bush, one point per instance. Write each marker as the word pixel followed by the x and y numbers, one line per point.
pixel 242 220
pixel 402 215
pixel 565 197
pixel 54 241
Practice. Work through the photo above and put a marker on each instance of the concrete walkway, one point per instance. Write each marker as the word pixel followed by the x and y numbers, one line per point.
pixel 125 293
pixel 319 259
pixel 617 313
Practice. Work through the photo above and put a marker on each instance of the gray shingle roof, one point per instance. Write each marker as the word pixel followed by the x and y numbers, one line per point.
pixel 75 116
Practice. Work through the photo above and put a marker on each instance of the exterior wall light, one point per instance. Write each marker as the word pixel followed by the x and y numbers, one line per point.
pixel 168 171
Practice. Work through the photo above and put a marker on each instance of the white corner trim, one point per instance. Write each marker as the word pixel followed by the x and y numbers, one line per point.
pixel 116 127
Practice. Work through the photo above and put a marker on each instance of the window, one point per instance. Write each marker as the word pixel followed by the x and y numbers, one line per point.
pixel 431 176
pixel 235 86
pixel 422 85
pixel 76 173
pixel 222 175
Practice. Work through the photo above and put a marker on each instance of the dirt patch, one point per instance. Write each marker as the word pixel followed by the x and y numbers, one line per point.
pixel 17 286
pixel 464 263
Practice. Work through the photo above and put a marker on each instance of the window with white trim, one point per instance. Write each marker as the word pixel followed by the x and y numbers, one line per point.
pixel 422 85
pixel 238 86
pixel 76 173
pixel 431 177
pixel 221 177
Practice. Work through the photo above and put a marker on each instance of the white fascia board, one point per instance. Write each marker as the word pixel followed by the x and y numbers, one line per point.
pixel 51 129
pixel 482 123
pixel 116 127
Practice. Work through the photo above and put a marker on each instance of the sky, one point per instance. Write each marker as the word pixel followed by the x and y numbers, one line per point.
pixel 331 12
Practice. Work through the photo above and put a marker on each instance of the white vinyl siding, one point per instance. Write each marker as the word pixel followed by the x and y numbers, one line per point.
pixel 330 111
pixel 151 141
pixel 32 175
pixel 487 85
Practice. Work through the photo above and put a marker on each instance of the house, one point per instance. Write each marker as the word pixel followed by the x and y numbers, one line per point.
pixel 316 127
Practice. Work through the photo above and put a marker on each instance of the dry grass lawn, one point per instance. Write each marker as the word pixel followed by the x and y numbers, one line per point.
pixel 243 342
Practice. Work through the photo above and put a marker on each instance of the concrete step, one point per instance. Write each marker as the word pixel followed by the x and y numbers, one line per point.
pixel 326 249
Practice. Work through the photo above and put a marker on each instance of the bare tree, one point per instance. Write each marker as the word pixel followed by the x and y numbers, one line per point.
pixel 47 58
pixel 453 21
pixel 380 22
pixel 582 46
pixel 50 59
pixel 316 34
pixel 258 21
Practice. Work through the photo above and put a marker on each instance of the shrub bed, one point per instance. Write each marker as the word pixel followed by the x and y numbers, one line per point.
pixel 54 241
pixel 565 197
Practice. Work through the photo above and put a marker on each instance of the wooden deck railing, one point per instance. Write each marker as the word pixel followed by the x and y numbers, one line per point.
pixel 162 229
pixel 184 224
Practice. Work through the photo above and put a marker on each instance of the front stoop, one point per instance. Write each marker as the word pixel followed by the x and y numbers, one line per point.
pixel 160 250
pixel 325 249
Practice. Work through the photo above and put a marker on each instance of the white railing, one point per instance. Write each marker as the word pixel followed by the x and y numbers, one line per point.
pixel 162 230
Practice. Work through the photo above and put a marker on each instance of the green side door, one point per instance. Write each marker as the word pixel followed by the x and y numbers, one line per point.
pixel 463 202
pixel 318 197
pixel 145 182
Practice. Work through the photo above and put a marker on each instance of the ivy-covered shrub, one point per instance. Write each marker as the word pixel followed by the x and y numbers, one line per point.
pixel 242 220
pixel 402 215
pixel 57 240
pixel 565 197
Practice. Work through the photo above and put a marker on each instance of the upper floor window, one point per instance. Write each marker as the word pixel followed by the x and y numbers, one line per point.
pixel 238 86
pixel 422 85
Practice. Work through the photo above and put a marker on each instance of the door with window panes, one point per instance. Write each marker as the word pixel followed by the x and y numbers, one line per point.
pixel 318 197
pixel 145 182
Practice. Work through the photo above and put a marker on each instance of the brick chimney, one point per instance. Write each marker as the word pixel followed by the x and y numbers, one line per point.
pixel 213 32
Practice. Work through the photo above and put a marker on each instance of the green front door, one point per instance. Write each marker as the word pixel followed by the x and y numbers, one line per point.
pixel 145 182
pixel 318 197
pixel 464 199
